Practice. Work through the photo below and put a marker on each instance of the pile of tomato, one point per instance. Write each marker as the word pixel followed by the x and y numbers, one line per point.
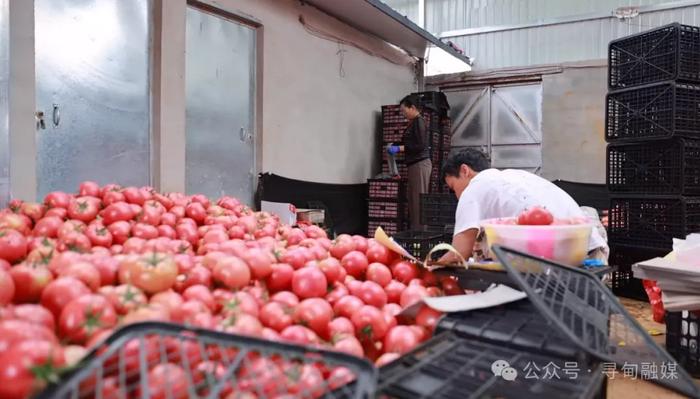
pixel 78 266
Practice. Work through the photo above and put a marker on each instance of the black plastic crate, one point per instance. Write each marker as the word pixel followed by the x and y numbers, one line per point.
pixel 387 188
pixel 418 243
pixel 652 222
pixel 387 209
pixel 683 339
pixel 622 258
pixel 432 100
pixel 580 306
pixel 390 226
pixel 659 167
pixel 656 111
pixel 451 367
pixel 671 52
pixel 518 325
pixel 437 209
pixel 201 363
pixel 393 134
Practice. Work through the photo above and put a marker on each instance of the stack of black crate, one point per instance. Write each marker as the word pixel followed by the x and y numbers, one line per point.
pixel 653 155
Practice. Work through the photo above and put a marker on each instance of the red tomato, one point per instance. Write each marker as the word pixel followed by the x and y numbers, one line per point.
pixel 429 278
pixel 353 286
pixel 33 210
pixel 112 197
pixel 379 273
pixel 118 211
pixel 536 216
pixel 60 213
pixel 451 286
pixel 361 243
pixel 7 288
pixel 13 245
pixel 281 277
pixel 232 272
pixel 152 272
pixel 168 219
pixel 295 257
pixel 124 298
pixel 135 196
pixel 300 335
pixel 260 263
pixel 89 188
pixel 309 282
pixel 188 311
pixel 99 235
pixel 5 265
pixel 276 316
pixel 355 264
pixel 120 230
pixel 378 253
pixel 18 368
pixel 47 227
pixel 369 323
pixel 200 293
pixel 151 213
pixel 342 245
pixel 400 339
pixel 107 266
pixel 339 327
pixel 14 331
pixel 84 209
pixel 347 306
pixel 196 212
pixel 333 270
pixel 197 275
pixel 339 291
pixel 412 294
pixel 166 381
pixel 74 241
pixel 434 291
pixel 339 377
pixel 386 359
pixel 35 314
pixel 187 232
pixel 394 290
pixel 243 324
pixel 392 308
pixel 404 271
pixel 287 298
pixel 350 345
pixel 239 303
pixel 57 199
pixel 169 299
pixel 85 316
pixel 60 292
pixel 428 317
pixel 83 271
pixel 373 294
pixel 29 281
pixel 314 313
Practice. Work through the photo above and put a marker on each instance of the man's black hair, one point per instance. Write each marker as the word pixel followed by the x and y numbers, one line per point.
pixel 471 157
pixel 409 101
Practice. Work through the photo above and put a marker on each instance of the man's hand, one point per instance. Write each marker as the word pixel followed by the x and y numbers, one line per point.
pixel 464 244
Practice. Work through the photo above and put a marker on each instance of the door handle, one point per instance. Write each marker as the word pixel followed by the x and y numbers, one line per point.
pixel 56 115
pixel 242 134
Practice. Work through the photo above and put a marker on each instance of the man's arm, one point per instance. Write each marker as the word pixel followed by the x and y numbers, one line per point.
pixel 464 244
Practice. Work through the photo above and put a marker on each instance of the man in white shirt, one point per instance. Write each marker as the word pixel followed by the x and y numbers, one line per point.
pixel 486 193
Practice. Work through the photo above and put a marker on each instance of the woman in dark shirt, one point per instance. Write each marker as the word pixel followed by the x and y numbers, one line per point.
pixel 416 146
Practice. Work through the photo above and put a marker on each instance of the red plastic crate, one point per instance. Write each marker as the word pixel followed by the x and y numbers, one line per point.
pixel 387 210
pixel 389 226
pixel 387 188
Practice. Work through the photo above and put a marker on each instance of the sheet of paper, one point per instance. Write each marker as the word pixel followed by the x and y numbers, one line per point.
pixel 497 295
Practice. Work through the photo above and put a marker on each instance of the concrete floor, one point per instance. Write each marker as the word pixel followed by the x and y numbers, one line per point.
pixel 621 388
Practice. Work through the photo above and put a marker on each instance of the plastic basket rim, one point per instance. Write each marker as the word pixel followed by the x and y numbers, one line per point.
pixel 122 335
pixel 500 252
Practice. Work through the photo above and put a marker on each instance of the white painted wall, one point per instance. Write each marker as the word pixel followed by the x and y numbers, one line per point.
pixel 319 106
pixel 573 124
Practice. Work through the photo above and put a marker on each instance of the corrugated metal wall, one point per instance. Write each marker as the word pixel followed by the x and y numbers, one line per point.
pixel 553 43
